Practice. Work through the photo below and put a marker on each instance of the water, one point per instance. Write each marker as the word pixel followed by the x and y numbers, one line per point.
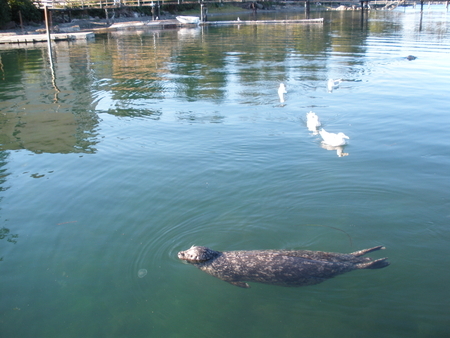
pixel 143 143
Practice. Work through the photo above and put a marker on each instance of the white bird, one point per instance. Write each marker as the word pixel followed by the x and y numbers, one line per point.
pixel 333 84
pixel 281 92
pixel 312 122
pixel 333 139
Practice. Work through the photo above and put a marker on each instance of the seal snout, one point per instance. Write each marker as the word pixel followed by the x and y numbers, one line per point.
pixel 189 255
pixel 197 254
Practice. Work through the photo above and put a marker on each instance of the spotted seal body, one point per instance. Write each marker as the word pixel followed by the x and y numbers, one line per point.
pixel 278 267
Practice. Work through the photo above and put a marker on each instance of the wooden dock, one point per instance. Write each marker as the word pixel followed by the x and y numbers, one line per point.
pixel 164 24
pixel 261 22
pixel 35 38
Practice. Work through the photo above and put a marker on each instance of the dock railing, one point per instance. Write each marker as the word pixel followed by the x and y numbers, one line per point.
pixel 91 4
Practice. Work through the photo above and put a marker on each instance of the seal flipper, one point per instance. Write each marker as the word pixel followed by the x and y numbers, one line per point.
pixel 378 264
pixel 240 284
pixel 363 252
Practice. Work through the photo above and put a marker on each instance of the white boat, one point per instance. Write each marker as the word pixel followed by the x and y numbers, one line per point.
pixel 188 19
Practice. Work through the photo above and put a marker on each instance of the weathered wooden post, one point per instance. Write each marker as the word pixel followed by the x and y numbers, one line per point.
pixel 47 28
pixel 49 41
pixel 307 9
pixel 152 5
pixel 362 13
pixel 21 21
pixel 203 12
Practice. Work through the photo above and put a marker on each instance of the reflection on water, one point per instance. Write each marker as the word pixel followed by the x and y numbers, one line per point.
pixel 39 117
pixel 339 149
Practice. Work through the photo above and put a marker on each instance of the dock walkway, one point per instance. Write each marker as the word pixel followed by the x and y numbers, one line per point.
pixel 261 22
pixel 160 24
pixel 34 38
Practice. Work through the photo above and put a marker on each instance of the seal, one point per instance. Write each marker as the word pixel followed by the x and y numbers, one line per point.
pixel 278 267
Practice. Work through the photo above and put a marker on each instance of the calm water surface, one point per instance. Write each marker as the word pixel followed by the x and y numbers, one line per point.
pixel 142 143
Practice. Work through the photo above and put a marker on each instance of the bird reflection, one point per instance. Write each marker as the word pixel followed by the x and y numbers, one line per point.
pixel 312 122
pixel 333 84
pixel 339 149
pixel 281 92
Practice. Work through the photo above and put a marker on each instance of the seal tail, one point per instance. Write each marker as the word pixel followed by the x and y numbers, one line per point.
pixel 363 252
pixel 378 264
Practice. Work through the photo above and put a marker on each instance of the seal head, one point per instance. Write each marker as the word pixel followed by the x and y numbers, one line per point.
pixel 198 254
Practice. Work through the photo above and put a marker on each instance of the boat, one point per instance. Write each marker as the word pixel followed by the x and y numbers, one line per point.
pixel 188 19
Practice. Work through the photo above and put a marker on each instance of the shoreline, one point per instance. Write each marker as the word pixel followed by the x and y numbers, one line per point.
pixel 96 24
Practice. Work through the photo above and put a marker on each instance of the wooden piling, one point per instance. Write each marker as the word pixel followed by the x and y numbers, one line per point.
pixel 203 12
pixel 47 28
pixel 21 21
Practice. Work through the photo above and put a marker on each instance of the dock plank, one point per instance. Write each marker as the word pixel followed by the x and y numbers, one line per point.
pixel 35 38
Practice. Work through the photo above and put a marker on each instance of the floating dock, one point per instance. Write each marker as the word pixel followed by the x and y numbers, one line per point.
pixel 260 22
pixel 34 38
pixel 163 24
pixel 174 23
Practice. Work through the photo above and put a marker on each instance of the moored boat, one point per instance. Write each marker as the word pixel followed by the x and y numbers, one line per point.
pixel 188 19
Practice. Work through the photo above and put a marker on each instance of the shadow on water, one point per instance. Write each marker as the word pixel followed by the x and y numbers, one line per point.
pixel 5 233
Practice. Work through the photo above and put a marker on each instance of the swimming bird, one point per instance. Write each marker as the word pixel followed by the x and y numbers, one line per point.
pixel 281 92
pixel 333 84
pixel 312 122
pixel 333 139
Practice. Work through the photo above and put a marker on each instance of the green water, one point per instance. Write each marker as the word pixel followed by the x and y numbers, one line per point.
pixel 142 143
